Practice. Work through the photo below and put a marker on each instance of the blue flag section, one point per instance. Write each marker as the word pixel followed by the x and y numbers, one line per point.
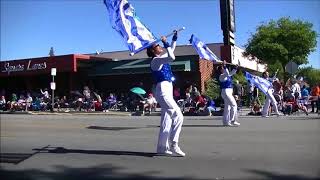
pixel 203 50
pixel 263 84
pixel 124 20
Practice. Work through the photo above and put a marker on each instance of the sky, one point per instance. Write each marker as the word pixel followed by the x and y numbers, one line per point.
pixel 29 28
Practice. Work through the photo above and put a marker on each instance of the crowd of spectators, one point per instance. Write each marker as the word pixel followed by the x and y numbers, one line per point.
pixel 293 96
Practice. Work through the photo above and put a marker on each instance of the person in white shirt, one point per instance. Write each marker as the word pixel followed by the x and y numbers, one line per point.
pixel 296 90
pixel 171 115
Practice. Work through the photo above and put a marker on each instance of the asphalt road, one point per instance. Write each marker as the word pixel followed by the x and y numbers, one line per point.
pixel 123 147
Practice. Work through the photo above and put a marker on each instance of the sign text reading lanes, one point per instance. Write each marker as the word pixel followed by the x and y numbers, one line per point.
pixel 21 67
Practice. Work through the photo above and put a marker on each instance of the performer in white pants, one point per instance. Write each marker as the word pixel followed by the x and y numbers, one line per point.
pixel 230 104
pixel 171 115
pixel 270 97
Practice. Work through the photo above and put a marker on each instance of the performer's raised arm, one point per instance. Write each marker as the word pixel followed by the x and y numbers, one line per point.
pixel 157 52
pixel 226 72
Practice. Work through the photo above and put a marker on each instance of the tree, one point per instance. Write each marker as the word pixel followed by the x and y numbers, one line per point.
pixel 212 89
pixel 282 41
pixel 311 75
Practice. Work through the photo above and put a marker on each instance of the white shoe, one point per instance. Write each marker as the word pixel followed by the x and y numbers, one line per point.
pixel 165 153
pixel 228 125
pixel 279 114
pixel 176 150
pixel 265 116
pixel 235 123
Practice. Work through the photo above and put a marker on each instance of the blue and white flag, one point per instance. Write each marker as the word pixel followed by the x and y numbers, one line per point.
pixel 124 20
pixel 203 50
pixel 263 84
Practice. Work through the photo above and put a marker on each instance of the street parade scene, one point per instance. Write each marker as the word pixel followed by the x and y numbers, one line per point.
pixel 173 90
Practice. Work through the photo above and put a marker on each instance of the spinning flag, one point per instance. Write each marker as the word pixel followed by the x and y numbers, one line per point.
pixel 263 84
pixel 203 50
pixel 124 20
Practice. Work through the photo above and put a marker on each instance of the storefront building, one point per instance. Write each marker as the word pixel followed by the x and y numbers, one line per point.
pixel 111 71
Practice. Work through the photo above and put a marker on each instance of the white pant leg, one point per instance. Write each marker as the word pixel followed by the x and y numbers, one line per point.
pixel 270 98
pixel 177 121
pixel 274 102
pixel 171 116
pixel 266 106
pixel 230 105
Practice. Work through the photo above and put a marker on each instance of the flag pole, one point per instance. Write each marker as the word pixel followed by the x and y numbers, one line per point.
pixel 154 42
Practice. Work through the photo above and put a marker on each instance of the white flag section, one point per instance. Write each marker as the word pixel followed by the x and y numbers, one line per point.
pixel 127 24
pixel 203 50
pixel 263 84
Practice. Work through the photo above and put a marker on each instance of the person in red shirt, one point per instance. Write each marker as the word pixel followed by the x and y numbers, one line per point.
pixel 315 97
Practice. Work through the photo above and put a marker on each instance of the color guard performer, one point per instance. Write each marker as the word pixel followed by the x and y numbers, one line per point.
pixel 270 97
pixel 171 115
pixel 230 104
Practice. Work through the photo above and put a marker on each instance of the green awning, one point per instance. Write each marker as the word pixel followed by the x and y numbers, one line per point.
pixel 137 66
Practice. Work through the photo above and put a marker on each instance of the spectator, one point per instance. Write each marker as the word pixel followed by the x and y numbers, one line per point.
pixel 45 94
pixel 176 93
pixel 250 89
pixel 151 103
pixel 63 103
pixel 304 93
pixel 3 103
pixel 237 92
pixel 110 102
pixel 200 102
pixel 295 89
pixel 315 100
pixel 28 101
pixel 210 105
pixel 256 99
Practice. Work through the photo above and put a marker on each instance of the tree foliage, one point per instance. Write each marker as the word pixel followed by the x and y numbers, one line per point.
pixel 311 75
pixel 212 89
pixel 282 41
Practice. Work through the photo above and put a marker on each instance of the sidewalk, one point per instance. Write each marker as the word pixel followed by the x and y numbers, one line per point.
pixel 242 112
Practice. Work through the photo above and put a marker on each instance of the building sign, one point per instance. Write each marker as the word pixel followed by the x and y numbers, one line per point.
pixel 232 16
pixel 9 67
pixel 246 62
pixel 227 15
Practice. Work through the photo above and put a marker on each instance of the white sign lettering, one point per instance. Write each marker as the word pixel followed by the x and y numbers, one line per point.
pixel 21 67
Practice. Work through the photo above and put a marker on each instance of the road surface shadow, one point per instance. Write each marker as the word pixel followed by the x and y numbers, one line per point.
pixel 14 158
pixel 193 125
pixel 101 172
pixel 112 128
pixel 271 175
pixel 62 150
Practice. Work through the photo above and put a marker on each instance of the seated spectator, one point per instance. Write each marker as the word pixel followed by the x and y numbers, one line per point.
pixel 36 104
pixel 3 103
pixel 63 103
pixel 13 102
pixel 200 102
pixel 188 103
pixel 176 93
pixel 110 102
pixel 210 106
pixel 150 103
pixel 256 109
pixel 21 103
pixel 288 105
